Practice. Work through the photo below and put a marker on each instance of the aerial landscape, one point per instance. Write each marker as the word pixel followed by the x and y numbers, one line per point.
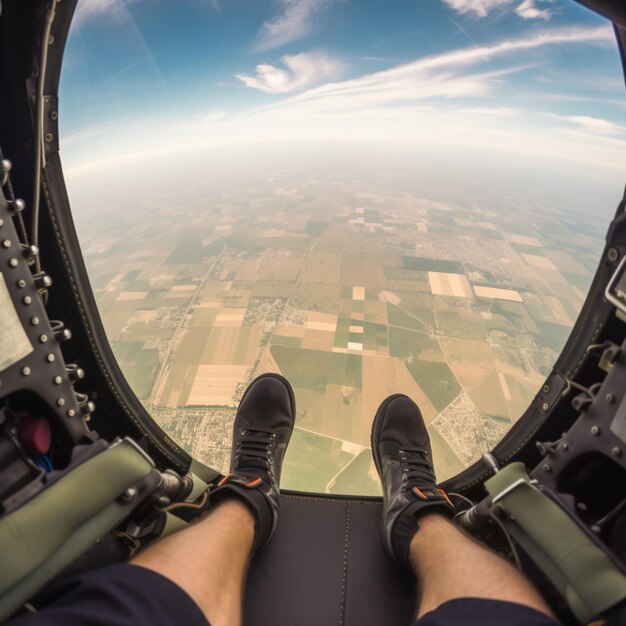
pixel 366 197
pixel 353 287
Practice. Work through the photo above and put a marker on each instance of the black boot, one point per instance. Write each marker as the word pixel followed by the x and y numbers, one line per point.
pixel 261 432
pixel 403 458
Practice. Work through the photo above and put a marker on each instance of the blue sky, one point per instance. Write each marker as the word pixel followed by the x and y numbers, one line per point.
pixel 149 77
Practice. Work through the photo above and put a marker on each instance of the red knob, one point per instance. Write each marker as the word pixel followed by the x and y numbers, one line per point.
pixel 35 435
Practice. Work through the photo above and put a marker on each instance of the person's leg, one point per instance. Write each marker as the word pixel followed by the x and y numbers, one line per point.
pixel 417 533
pixel 448 564
pixel 209 560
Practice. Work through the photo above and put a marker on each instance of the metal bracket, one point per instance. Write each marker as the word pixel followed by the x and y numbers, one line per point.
pixel 51 124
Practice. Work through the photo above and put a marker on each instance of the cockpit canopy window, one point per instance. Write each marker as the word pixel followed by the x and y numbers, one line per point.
pixel 368 198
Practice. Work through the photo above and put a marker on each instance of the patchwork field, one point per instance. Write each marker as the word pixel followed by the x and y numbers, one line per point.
pixel 461 304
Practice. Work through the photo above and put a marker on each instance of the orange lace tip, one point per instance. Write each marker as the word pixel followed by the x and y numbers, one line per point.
pixel 224 480
pixel 254 483
pixel 420 493
pixel 445 495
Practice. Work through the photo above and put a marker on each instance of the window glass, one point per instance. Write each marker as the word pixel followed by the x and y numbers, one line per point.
pixel 367 197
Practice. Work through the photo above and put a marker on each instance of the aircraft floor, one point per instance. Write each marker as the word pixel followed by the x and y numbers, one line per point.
pixel 325 566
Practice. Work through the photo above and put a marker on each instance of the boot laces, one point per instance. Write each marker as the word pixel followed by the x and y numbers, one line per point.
pixel 257 443
pixel 417 467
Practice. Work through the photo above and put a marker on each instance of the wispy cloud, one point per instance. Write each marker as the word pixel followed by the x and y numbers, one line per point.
pixel 480 8
pixel 527 10
pixel 592 124
pixel 293 22
pixel 89 9
pixel 443 75
pixel 300 70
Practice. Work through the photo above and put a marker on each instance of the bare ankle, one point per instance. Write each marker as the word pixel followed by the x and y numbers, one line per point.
pixel 237 510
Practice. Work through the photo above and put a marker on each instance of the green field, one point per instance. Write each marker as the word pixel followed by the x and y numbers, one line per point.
pixel 461 325
pixel 447 463
pixel 404 343
pixel 187 251
pixel 357 477
pixel 138 364
pixel 553 336
pixel 314 369
pixel 311 461
pixel 418 304
pixel 437 381
pixel 432 265
pixel 397 317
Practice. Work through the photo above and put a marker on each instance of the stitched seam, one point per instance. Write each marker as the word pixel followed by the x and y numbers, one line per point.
pixel 330 500
pixel 578 365
pixel 344 577
pixel 87 328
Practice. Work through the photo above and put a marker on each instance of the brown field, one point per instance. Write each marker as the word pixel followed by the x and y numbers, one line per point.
pixel 290 331
pixel 125 296
pixel 328 274
pixel 270 289
pixel 318 340
pixel 274 232
pixel 375 312
pixel 146 316
pixel 555 281
pixel 358 293
pixel 509 360
pixel 525 241
pixel 498 294
pixel 231 345
pixel 209 302
pixel 321 321
pixel 114 321
pixel 316 297
pixel 324 258
pixel 216 384
pixel 565 261
pixel 178 382
pixel 267 364
pixel 341 406
pixel 523 389
pixel 248 271
pixel 539 261
pixel 444 284
pixel 213 288
pixel 181 291
pixel 555 311
pixel 470 361
pixel 230 317
pixel 488 396
pixel 204 315
pixel 277 267
pixel 373 277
